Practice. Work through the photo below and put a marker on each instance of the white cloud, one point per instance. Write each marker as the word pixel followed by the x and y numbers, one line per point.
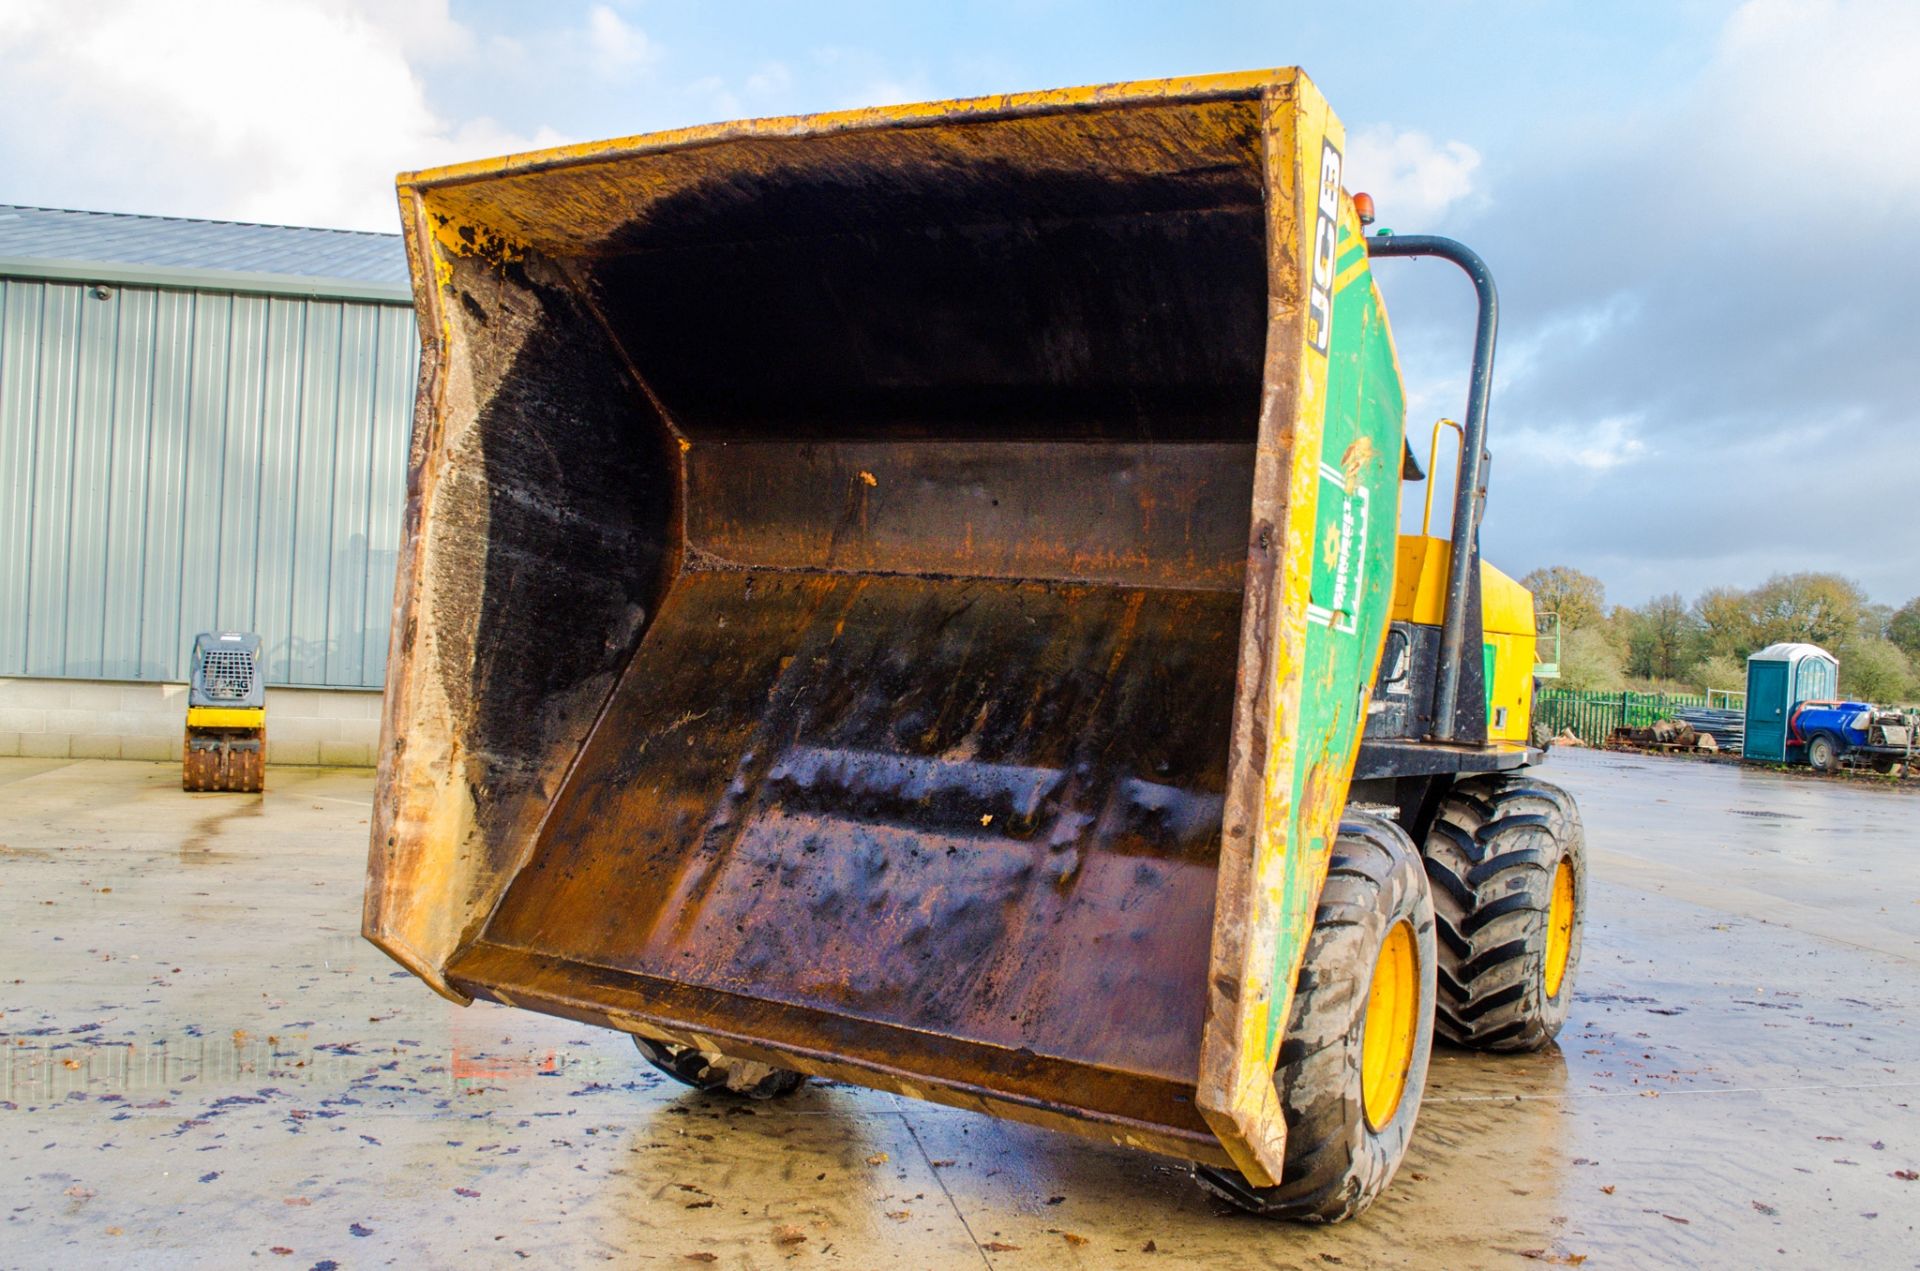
pixel 1571 331
pixel 296 110
pixel 762 92
pixel 770 80
pixel 614 43
pixel 1413 179
pixel 1596 446
pixel 1812 107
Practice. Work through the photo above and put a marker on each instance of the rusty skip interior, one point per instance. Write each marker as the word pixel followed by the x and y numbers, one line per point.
pixel 829 609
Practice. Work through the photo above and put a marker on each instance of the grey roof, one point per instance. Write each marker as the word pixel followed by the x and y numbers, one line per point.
pixel 1789 651
pixel 53 242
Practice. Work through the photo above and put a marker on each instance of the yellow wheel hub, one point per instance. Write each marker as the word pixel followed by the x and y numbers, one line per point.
pixel 1559 928
pixel 1393 1017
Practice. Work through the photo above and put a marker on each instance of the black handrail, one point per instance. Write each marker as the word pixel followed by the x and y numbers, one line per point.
pixel 1468 494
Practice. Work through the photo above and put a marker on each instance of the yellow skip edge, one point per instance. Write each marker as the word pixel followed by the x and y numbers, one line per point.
pixel 871 116
pixel 226 717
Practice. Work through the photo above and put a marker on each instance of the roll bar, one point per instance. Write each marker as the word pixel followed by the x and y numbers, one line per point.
pixel 1469 491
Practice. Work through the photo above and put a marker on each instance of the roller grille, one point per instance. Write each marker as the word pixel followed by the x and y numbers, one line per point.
pixel 227 674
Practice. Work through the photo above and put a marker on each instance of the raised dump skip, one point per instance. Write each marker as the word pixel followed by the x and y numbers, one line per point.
pixel 829 630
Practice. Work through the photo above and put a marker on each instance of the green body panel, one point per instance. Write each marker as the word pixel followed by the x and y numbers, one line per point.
pixel 1356 535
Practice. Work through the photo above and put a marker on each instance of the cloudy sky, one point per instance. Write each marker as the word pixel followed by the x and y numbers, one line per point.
pixel 1696 208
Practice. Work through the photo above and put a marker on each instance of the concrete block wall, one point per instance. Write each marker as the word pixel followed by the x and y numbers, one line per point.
pixel 109 719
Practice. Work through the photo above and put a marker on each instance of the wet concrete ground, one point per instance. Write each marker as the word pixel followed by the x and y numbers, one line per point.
pixel 204 1065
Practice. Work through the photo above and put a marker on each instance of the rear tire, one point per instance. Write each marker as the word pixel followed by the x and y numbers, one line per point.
pixel 1823 755
pixel 1502 849
pixel 714 1073
pixel 1338 1159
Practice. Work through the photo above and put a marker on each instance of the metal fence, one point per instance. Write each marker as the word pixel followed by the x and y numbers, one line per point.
pixel 1594 716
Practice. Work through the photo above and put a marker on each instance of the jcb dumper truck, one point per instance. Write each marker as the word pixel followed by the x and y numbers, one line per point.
pixel 913 596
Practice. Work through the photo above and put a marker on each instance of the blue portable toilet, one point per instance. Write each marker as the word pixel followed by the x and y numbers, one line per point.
pixel 1779 678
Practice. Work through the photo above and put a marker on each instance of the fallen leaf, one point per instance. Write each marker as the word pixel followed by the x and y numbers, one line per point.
pixel 1054 1200
pixel 466 1191
pixel 1070 1238
pixel 999 1246
pixel 1684 1222
pixel 296 1200
pixel 1906 1175
pixel 900 1215
pixel 282 1250
pixel 789 1234
pixel 1149 1247
pixel 878 1158
pixel 1764 1208
pixel 116 1231
pixel 703 1256
pixel 1608 1189
pixel 699 1204
pixel 359 1229
pixel 868 477
pixel 240 1036
pixel 79 1192
pixel 69 1063
pixel 940 1164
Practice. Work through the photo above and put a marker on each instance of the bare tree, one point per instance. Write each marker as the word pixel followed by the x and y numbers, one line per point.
pixel 1580 599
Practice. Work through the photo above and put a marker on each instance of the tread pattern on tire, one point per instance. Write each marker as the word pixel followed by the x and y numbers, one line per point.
pixel 1491 857
pixel 716 1074
pixel 1336 1165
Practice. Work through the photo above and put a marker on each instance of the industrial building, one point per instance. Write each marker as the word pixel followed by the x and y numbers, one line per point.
pixel 203 425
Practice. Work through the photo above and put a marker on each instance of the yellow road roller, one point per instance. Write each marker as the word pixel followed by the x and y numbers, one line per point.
pixel 225 747
pixel 915 596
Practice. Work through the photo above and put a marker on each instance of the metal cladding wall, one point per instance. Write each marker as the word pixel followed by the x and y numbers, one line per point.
pixel 174 461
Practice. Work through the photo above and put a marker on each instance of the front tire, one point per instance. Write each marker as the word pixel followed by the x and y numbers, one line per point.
pixel 1822 754
pixel 1353 1065
pixel 713 1073
pixel 1508 863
